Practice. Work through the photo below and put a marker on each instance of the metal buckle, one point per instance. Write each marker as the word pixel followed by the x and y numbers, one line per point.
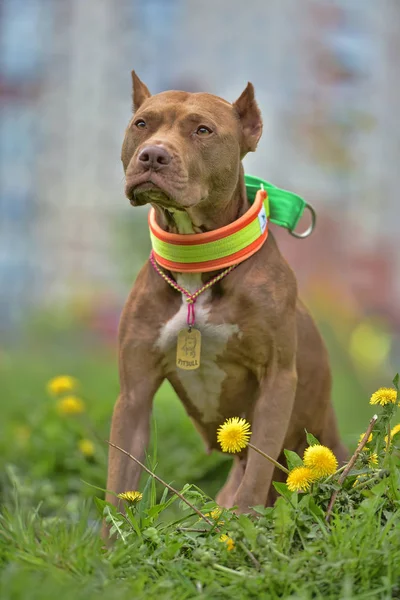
pixel 311 228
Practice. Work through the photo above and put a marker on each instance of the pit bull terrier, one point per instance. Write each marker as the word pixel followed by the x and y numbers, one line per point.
pixel 262 357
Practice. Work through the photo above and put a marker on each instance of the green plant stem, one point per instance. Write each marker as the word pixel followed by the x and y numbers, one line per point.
pixel 227 570
pixel 389 435
pixel 350 464
pixel 164 483
pixel 388 443
pixel 363 484
pixel 272 460
pixel 335 473
pixel 279 554
pixel 338 471
pixel 250 555
pixel 192 530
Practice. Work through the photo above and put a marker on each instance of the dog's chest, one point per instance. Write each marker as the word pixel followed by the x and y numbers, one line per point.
pixel 202 385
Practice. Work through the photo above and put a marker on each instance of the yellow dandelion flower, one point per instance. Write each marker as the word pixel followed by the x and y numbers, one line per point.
pixel 70 405
pixel 234 435
pixel 384 396
pixel 373 459
pixel 230 544
pixel 299 479
pixel 369 437
pixel 131 497
pixel 86 447
pixel 321 460
pixel 61 385
pixel 393 432
pixel 215 515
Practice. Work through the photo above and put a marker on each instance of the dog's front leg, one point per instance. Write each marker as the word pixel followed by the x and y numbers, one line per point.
pixel 130 430
pixel 140 376
pixel 270 423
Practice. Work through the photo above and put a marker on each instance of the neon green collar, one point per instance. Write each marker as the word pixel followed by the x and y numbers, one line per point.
pixel 286 208
pixel 234 243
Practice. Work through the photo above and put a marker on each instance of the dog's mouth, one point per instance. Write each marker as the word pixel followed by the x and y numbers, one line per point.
pixel 147 190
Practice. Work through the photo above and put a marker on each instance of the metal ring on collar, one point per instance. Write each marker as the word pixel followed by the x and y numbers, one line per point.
pixel 311 228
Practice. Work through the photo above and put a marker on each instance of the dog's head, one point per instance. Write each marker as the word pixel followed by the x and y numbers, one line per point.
pixel 181 149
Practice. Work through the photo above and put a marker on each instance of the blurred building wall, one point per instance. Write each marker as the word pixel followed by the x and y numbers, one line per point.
pixel 326 77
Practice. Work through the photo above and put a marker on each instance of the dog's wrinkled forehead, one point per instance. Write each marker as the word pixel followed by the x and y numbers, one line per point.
pixel 173 106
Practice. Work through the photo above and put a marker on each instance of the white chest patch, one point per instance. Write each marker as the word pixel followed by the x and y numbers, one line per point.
pixel 203 385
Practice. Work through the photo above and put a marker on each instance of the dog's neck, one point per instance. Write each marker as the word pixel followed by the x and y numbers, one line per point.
pixel 207 216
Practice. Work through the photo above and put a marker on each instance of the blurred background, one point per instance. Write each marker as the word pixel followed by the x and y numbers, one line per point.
pixel 327 81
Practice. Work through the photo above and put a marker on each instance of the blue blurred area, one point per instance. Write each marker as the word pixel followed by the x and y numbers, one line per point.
pixel 22 39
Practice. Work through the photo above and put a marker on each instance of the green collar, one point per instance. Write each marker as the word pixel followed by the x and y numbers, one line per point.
pixel 285 208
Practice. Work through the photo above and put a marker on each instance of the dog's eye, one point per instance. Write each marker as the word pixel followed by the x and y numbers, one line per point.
pixel 203 130
pixel 140 124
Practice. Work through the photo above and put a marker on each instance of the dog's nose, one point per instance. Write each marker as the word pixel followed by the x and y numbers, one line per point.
pixel 154 157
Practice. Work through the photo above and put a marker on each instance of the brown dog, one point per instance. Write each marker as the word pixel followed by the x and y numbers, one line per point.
pixel 262 357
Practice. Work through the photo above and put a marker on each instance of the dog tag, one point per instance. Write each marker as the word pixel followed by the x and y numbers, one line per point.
pixel 188 349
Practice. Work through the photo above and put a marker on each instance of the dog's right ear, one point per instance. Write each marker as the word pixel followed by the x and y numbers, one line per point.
pixel 140 92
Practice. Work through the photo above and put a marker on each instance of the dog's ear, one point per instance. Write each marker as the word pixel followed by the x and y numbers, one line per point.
pixel 250 118
pixel 140 91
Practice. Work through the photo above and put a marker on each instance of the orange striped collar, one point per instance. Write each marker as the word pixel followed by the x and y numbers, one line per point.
pixel 213 250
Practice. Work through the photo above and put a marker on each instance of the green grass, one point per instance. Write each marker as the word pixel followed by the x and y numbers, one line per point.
pixel 49 525
pixel 358 556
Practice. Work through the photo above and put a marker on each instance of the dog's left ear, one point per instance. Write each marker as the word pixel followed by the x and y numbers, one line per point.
pixel 250 118
pixel 140 91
